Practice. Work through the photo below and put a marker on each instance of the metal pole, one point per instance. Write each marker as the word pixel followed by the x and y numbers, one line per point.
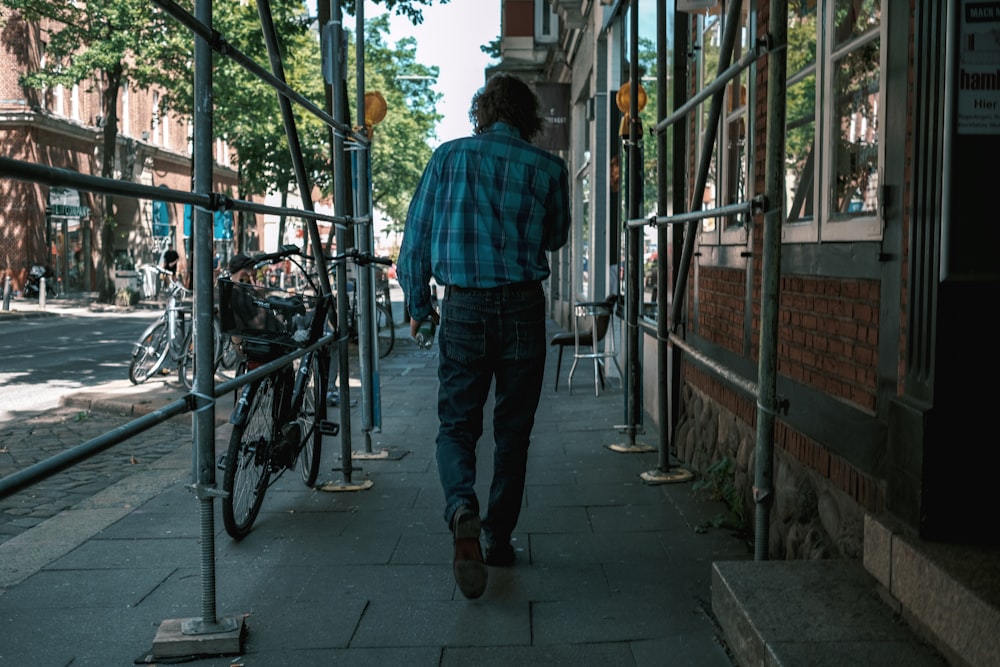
pixel 6 293
pixel 774 180
pixel 294 145
pixel 662 242
pixel 340 180
pixel 44 469
pixel 364 237
pixel 635 183
pixel 663 474
pixel 203 417
pixel 682 35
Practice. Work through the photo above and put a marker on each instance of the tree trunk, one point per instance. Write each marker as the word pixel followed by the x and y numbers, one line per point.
pixel 106 250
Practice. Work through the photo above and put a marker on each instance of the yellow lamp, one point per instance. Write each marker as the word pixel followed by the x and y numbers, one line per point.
pixel 375 108
pixel 624 101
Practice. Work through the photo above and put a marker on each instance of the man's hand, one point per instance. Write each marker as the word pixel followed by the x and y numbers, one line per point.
pixel 415 324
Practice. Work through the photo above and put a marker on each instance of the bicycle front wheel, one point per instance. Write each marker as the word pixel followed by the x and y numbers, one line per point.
pixel 148 353
pixel 385 330
pixel 247 466
pixel 311 416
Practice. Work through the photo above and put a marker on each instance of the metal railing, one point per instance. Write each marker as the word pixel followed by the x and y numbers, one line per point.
pixel 200 401
pixel 774 45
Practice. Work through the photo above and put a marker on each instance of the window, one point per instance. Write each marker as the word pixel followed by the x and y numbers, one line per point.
pixel 58 100
pixel 546 22
pixel 833 156
pixel 126 111
pixel 729 171
pixel 155 134
pixel 74 102
pixel 165 129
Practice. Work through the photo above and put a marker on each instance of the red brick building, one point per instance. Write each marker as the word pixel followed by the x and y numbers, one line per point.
pixel 64 127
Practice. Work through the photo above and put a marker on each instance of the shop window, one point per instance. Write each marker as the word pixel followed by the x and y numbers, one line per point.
pixel 546 22
pixel 833 152
pixel 729 170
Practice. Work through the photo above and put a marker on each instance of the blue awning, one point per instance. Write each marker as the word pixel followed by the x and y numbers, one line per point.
pixel 222 227
pixel 161 219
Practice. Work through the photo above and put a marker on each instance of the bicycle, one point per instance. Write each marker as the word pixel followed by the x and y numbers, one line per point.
pixel 385 328
pixel 280 418
pixel 171 336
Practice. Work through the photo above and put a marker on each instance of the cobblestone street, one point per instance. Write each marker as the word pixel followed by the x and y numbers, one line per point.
pixel 31 438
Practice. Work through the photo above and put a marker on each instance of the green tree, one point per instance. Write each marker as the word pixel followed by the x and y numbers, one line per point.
pixel 101 42
pixel 401 142
pixel 412 9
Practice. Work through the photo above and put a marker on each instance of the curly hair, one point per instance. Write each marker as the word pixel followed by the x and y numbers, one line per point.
pixel 509 99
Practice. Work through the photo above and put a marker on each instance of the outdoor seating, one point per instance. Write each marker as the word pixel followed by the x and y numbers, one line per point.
pixel 592 320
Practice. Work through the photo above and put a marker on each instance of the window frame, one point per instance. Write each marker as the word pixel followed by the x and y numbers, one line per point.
pixel 722 230
pixel 552 35
pixel 826 224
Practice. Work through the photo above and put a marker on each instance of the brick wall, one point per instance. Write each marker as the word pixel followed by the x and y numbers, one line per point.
pixel 720 312
pixel 867 491
pixel 828 336
pixel 519 18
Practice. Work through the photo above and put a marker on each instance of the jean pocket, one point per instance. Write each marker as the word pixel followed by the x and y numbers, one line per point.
pixel 463 338
pixel 530 343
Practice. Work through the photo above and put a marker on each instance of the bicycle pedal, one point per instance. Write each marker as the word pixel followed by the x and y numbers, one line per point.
pixel 328 427
pixel 220 463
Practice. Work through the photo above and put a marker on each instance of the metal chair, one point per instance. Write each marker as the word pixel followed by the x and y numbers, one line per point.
pixel 591 323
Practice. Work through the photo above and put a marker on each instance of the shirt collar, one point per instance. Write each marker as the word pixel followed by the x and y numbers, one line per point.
pixel 503 128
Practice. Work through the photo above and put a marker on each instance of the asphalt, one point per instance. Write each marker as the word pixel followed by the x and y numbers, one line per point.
pixel 100 569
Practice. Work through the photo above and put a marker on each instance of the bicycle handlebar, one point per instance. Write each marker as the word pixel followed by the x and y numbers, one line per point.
pixel 360 258
pixel 284 251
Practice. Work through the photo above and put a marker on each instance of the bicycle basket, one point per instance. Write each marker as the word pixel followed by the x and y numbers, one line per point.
pixel 266 318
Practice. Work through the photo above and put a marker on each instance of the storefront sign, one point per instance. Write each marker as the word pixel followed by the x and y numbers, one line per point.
pixel 553 101
pixel 979 69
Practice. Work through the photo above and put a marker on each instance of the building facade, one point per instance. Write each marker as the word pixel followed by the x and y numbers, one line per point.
pixel 61 127
pixel 884 258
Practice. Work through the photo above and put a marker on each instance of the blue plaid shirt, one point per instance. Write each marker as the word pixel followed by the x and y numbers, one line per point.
pixel 487 209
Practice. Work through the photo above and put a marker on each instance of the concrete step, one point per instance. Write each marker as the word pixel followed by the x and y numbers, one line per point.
pixel 949 592
pixel 818 613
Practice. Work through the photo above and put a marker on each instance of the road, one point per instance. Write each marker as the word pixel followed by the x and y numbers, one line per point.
pixel 44 358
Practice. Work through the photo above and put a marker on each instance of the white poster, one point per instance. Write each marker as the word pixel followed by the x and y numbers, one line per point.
pixel 979 68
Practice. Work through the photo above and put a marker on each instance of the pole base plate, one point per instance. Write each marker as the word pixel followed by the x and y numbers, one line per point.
pixel 191 637
pixel 672 476
pixel 637 448
pixel 340 486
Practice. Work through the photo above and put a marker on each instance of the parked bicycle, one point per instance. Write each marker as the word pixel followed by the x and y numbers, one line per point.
pixel 280 418
pixel 385 328
pixel 171 338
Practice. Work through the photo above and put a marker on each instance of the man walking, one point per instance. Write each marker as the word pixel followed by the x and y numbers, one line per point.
pixel 487 209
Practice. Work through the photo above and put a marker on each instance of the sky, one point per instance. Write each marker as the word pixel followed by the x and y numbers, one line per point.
pixel 449 38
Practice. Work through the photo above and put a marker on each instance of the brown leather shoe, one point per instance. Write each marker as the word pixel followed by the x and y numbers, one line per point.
pixel 469 568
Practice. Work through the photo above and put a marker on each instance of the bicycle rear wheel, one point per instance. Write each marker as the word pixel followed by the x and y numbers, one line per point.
pixel 311 416
pixel 187 365
pixel 247 466
pixel 385 330
pixel 148 353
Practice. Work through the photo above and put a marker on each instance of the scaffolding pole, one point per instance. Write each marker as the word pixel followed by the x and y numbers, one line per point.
pixel 774 180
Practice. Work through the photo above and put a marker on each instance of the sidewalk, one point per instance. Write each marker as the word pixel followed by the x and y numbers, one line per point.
pixel 610 571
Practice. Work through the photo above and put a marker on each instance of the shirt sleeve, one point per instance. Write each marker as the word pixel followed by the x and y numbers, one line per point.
pixel 559 218
pixel 414 264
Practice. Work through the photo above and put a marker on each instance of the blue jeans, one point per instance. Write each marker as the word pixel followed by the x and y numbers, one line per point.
pixel 485 335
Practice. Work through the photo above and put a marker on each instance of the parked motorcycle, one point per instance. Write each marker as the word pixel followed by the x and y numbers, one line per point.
pixel 33 287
